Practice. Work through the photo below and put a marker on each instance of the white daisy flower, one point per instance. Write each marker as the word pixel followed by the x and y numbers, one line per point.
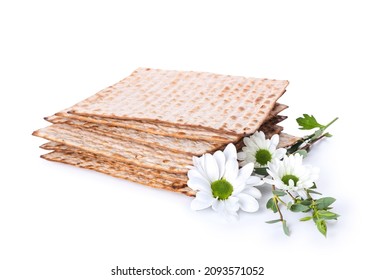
pixel 291 175
pixel 259 150
pixel 219 183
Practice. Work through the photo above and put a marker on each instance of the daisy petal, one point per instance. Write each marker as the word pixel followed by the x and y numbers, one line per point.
pixel 212 169
pixel 274 141
pixel 241 155
pixel 226 208
pixel 220 160
pixel 279 153
pixel 232 205
pixel 254 181
pixel 231 170
pixel 192 173
pixel 272 170
pixel 290 183
pixel 198 163
pixel 202 200
pixel 302 193
pixel 197 183
pixel 218 206
pixel 260 140
pixel 245 172
pixel 247 141
pixel 248 203
pixel 254 192
pixel 230 152
pixel 269 181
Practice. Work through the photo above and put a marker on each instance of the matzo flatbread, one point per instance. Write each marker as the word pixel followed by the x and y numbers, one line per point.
pixel 181 132
pixel 221 103
pixel 102 165
pixel 178 145
pixel 150 177
pixel 125 151
pixel 58 147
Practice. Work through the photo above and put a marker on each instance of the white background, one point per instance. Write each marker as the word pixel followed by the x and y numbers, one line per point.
pixel 61 222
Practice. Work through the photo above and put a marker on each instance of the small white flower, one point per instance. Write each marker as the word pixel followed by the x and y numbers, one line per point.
pixel 219 183
pixel 291 175
pixel 259 150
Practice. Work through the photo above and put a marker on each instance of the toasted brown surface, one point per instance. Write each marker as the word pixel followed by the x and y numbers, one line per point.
pixel 287 140
pixel 223 103
pixel 179 145
pixel 129 152
pixel 58 147
pixel 154 128
pixel 119 170
pixel 146 176
pixel 181 132
pixel 277 109
pixel 147 127
pixel 126 151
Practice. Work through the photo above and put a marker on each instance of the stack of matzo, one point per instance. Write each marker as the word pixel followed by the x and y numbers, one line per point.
pixel 147 127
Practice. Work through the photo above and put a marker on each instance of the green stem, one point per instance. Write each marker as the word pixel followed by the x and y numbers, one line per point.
pixel 323 129
pixel 294 199
pixel 309 144
pixel 280 200
pixel 277 204
pixel 335 119
pixel 278 210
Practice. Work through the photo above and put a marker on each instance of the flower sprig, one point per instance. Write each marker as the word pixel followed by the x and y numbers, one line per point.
pixel 308 122
pixel 291 176
pixel 319 209
pixel 222 185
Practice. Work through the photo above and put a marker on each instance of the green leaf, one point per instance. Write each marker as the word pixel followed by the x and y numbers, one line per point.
pixel 308 122
pixel 327 215
pixel 285 228
pixel 306 202
pixel 261 171
pixel 303 153
pixel 322 226
pixel 304 219
pixel 299 208
pixel 289 205
pixel 315 192
pixel 278 193
pixel 324 202
pixel 271 204
pixel 273 221
pixel 328 134
pixel 317 134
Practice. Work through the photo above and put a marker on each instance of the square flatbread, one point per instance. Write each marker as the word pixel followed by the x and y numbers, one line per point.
pixel 222 103
pixel 118 170
pixel 145 176
pixel 178 145
pixel 163 129
pixel 122 150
